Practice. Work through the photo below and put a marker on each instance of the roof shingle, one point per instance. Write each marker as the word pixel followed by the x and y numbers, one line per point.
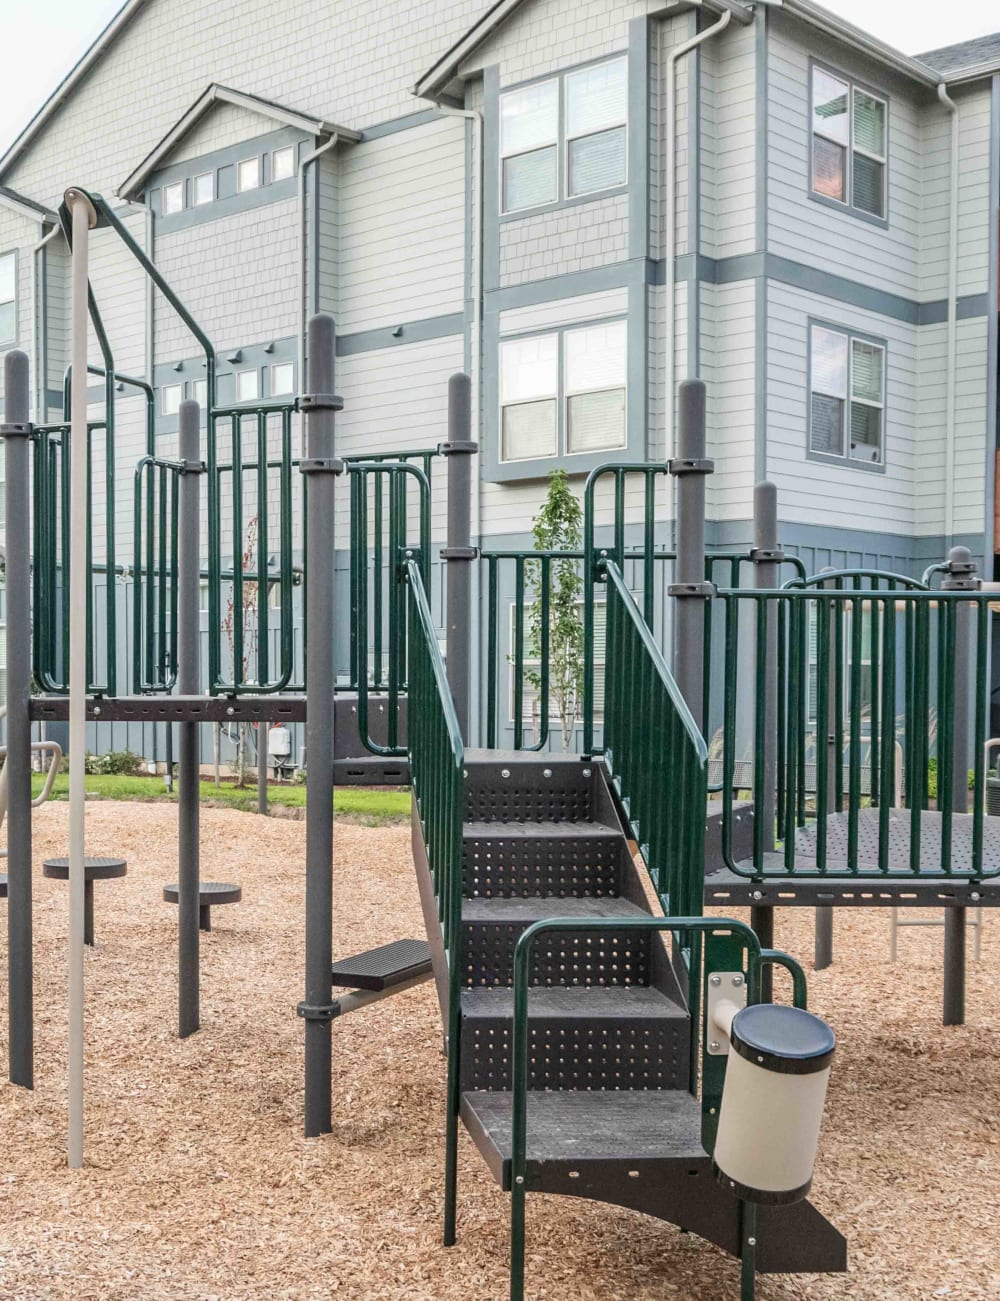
pixel 966 54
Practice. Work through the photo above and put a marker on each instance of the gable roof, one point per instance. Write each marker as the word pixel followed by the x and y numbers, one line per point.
pixel 965 55
pixel 72 79
pixel 206 101
pixel 20 203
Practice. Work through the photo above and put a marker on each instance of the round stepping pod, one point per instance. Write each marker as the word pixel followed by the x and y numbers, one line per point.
pixel 94 869
pixel 210 894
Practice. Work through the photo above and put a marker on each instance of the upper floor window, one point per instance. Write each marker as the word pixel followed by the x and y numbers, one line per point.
pixel 203 189
pixel 8 298
pixel 247 385
pixel 563 392
pixel 849 152
pixel 565 137
pixel 282 378
pixel 171 396
pixel 283 163
pixel 172 198
pixel 248 175
pixel 846 396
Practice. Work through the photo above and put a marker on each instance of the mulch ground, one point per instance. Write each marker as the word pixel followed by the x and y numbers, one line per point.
pixel 198 1183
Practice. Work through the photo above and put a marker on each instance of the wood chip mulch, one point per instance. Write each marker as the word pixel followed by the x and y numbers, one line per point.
pixel 199 1185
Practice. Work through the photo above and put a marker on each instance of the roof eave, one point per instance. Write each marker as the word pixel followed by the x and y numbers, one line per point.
pixel 26 207
pixel 846 32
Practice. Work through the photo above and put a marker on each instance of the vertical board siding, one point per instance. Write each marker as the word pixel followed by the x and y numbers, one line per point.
pixel 727 366
pixel 728 142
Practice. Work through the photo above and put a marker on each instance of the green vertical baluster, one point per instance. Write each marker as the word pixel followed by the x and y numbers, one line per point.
pixel 161 576
pixel 285 557
pixel 543 720
pixel 518 653
pixel 761 834
pixel 492 653
pixel 822 725
pixel 888 738
pixel 874 653
pixel 731 613
pixel 263 589
pixel 982 614
pixel 947 612
pixel 239 674
pixel 854 736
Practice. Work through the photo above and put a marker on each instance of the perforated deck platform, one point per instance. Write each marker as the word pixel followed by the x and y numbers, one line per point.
pixel 381 968
pixel 870 887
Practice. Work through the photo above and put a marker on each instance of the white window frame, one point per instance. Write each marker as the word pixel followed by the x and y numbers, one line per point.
pixel 583 135
pixel 202 176
pixel 12 255
pixel 284 149
pixel 844 456
pixel 561 142
pixel 552 397
pixel 170 388
pixel 563 394
pixel 250 370
pixel 199 392
pixel 278 365
pixel 245 162
pixel 853 88
pixel 173 187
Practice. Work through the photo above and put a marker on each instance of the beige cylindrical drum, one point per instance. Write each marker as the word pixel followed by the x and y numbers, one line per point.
pixel 772 1102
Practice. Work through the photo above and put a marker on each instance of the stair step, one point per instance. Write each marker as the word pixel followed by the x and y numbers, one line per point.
pixel 491 927
pixel 381 968
pixel 631 1037
pixel 516 786
pixel 575 1135
pixel 542 858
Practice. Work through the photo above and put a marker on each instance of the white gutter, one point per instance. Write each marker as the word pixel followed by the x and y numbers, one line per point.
pixel 952 345
pixel 306 162
pixel 670 185
pixel 474 116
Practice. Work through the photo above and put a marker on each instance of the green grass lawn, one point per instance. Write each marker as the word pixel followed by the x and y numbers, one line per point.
pixel 372 805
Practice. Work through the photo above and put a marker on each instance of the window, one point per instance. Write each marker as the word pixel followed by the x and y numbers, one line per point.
pixel 848 144
pixel 248 175
pixel 203 597
pixel 170 399
pixel 282 378
pixel 283 163
pixel 172 198
pixel 596 112
pixel 247 385
pixel 846 396
pixel 584 114
pixel 8 298
pixel 203 189
pixel 568 388
pixel 199 391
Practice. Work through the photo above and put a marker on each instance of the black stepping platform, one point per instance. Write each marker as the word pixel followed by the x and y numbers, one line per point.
pixel 94 869
pixel 381 968
pixel 210 894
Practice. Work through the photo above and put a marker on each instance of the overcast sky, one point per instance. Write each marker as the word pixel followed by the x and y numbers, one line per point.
pixel 50 35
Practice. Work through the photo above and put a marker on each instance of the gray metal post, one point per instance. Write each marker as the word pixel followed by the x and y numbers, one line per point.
pixel 262 728
pixel 319 406
pixel 767 558
pixel 188 684
pixel 459 554
pixel 690 467
pixel 20 1003
pixel 961 577
pixel 823 949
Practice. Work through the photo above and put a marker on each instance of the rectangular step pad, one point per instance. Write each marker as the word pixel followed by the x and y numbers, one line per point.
pixel 596 1038
pixel 381 968
pixel 576 1131
pixel 517 786
pixel 491 928
pixel 525 859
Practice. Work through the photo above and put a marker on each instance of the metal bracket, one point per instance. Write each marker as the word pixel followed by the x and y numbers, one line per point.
pixel 691 589
pixel 16 429
pixel 191 467
pixel 725 989
pixel 318 1012
pixel 459 553
pixel 321 402
pixel 321 465
pixel 691 465
pixel 762 554
pixel 450 449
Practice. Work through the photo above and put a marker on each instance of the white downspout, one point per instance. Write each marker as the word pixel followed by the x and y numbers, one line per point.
pixel 303 257
pixel 670 186
pixel 952 345
pixel 39 309
pixel 475 116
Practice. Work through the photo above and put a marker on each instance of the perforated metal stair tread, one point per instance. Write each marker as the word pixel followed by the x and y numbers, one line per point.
pixel 540 831
pixel 635 1127
pixel 620 1003
pixel 521 912
pixel 381 968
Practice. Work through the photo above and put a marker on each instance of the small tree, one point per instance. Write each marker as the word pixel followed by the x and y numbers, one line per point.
pixel 558 527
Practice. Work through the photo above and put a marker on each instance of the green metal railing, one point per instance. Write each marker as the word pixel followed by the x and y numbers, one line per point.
pixel 654 753
pixel 869 663
pixel 156 503
pixel 437 769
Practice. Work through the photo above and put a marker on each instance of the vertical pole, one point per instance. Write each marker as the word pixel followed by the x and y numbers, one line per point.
pixel 84 218
pixel 17 769
pixel 188 684
pixel 459 554
pixel 319 406
pixel 767 558
pixel 690 467
pixel 961 577
pixel 262 729
pixel 823 944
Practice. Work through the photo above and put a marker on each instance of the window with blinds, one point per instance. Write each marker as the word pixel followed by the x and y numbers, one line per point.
pixel 849 145
pixel 846 395
pixel 565 137
pixel 564 392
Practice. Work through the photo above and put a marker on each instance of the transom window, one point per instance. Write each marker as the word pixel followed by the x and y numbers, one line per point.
pixel 283 163
pixel 282 378
pixel 846 396
pixel 203 189
pixel 8 298
pixel 565 137
pixel 172 198
pixel 848 143
pixel 248 175
pixel 247 385
pixel 171 397
pixel 563 392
